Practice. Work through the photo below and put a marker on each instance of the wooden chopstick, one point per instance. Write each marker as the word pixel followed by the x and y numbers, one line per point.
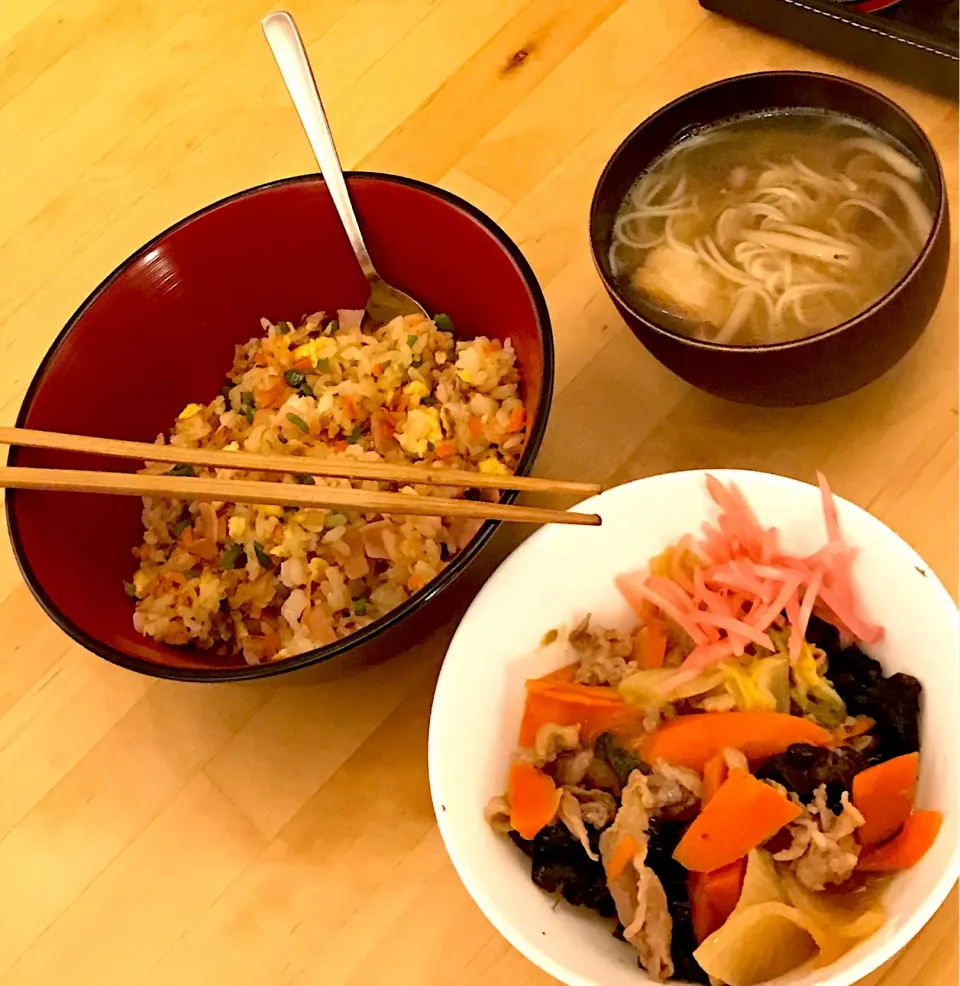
pixel 252 461
pixel 282 494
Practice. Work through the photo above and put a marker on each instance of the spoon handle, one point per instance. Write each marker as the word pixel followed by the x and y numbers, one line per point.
pixel 287 47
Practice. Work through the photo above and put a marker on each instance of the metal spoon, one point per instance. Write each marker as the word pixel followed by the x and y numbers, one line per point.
pixel 385 301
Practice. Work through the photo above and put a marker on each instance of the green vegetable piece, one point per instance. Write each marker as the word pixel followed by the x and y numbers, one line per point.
pixel 247 399
pixel 323 366
pixel 443 322
pixel 295 377
pixel 192 573
pixel 334 520
pixel 411 341
pixel 428 401
pixel 360 606
pixel 306 390
pixel 181 469
pixel 295 419
pixel 248 413
pixel 130 590
pixel 332 326
pixel 355 435
pixel 182 525
pixel 265 560
pixel 284 327
pixel 304 479
pixel 231 558
pixel 225 390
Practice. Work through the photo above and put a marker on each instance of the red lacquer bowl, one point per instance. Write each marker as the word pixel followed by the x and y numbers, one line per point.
pixel 159 333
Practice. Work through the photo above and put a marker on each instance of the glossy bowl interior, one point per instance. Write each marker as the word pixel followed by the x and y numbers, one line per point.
pixel 822 366
pixel 560 574
pixel 160 332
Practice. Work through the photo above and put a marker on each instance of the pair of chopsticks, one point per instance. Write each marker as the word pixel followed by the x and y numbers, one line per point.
pixel 283 494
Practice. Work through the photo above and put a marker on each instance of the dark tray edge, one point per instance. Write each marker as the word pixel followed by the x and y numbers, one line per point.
pixel 895 50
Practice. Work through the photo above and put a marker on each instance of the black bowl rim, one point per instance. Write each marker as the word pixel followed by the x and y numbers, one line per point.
pixel 419 599
pixel 935 175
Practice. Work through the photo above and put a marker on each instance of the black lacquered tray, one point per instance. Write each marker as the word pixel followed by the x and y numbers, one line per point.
pixel 914 40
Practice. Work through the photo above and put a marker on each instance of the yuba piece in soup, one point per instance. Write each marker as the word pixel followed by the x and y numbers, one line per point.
pixel 768 228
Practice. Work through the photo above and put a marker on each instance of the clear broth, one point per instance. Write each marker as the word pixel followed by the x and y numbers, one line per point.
pixel 769 228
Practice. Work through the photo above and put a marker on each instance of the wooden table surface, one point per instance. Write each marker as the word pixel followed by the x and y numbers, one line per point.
pixel 156 833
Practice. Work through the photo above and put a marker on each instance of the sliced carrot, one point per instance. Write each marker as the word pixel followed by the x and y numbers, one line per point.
pixel 907 847
pixel 475 426
pixel 595 710
pixel 742 814
pixel 533 796
pixel 340 446
pixel 651 644
pixel 272 394
pixel 884 796
pixel 517 417
pixel 561 683
pixel 204 548
pixel 714 774
pixel 860 725
pixel 691 740
pixel 416 582
pixel 445 449
pixel 713 896
pixel 564 674
pixel 622 853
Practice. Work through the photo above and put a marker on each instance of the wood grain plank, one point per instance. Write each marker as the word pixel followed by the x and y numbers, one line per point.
pixel 185 858
pixel 155 833
pixel 56 723
pixel 512 63
pixel 331 857
pixel 87 819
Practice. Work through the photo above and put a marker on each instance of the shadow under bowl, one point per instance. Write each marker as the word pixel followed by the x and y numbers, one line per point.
pixel 159 333
pixel 831 363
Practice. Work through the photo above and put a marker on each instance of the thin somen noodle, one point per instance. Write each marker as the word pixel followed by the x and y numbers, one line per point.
pixel 769 228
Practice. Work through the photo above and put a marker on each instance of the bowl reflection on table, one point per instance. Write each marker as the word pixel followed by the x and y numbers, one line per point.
pixel 819 367
pixel 160 333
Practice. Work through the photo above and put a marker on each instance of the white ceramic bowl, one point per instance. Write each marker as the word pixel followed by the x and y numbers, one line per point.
pixel 561 573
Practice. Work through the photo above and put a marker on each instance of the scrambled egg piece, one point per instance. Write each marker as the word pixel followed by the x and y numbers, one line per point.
pixel 415 390
pixel 141 582
pixel 189 411
pixel 317 567
pixel 237 527
pixel 421 427
pixel 315 349
pixel 493 466
pixel 232 447
pixel 269 510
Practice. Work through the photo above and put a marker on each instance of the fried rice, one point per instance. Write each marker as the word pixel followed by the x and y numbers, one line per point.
pixel 270 582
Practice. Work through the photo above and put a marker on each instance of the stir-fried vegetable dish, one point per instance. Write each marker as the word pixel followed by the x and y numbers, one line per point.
pixel 733 781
